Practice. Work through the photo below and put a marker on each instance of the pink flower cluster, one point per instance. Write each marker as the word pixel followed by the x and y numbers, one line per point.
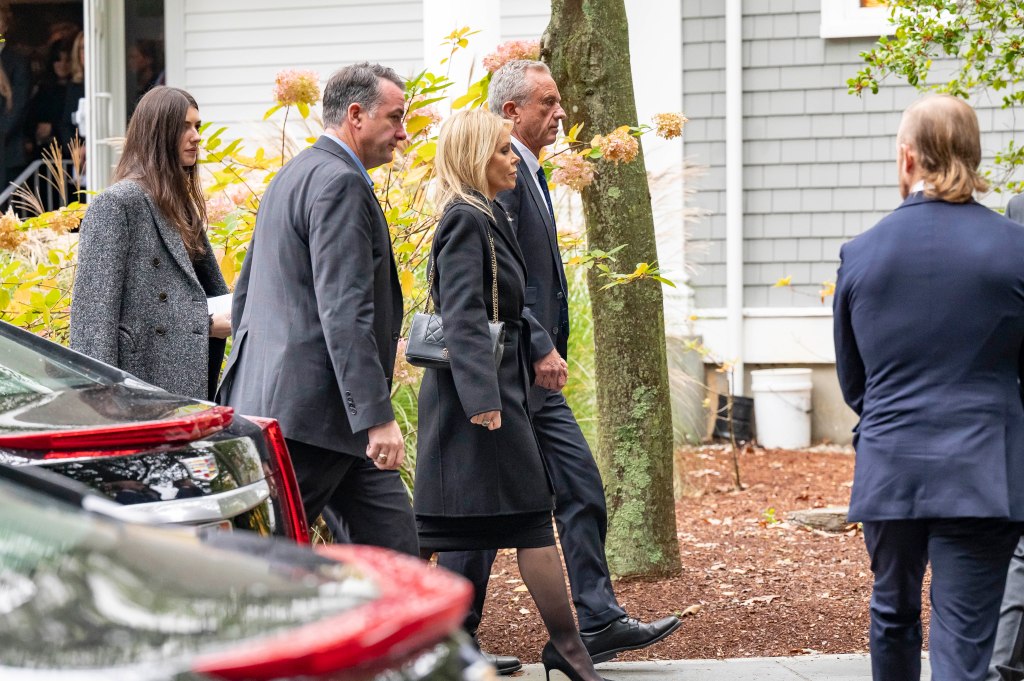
pixel 217 207
pixel 510 51
pixel 405 373
pixel 430 111
pixel 573 171
pixel 296 87
pixel 619 146
pixel 669 125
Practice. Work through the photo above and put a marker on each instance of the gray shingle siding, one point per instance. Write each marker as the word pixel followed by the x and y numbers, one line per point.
pixel 819 164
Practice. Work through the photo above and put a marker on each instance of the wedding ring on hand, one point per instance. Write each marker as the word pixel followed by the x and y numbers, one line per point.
pixel 382 457
pixel 485 423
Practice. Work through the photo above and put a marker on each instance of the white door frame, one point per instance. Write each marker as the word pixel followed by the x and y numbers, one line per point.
pixel 104 89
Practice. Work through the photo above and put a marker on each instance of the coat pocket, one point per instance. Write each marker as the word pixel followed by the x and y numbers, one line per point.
pixel 126 339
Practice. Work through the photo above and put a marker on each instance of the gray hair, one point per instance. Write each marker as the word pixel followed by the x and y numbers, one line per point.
pixel 509 83
pixel 355 84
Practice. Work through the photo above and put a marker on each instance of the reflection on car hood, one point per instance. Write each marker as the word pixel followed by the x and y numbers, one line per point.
pixel 93 407
pixel 80 592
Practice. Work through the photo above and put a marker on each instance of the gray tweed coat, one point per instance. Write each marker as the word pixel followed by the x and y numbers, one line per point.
pixel 139 303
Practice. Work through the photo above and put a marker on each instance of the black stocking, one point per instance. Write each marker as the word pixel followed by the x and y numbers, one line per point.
pixel 542 571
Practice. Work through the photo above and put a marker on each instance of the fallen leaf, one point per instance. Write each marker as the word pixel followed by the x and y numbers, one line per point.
pixel 521 587
pixel 692 610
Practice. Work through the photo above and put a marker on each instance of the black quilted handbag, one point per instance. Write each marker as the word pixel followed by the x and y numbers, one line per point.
pixel 426 347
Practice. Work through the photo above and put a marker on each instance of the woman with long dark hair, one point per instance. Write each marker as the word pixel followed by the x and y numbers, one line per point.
pixel 145 265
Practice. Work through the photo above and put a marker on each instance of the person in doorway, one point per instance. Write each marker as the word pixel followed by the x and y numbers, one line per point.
pixel 929 335
pixel 15 95
pixel 525 93
pixel 145 265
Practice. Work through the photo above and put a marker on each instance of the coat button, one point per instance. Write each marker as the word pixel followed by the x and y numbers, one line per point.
pixel 394 336
pixel 160 330
pixel 162 296
pixel 348 394
pixel 197 331
pixel 554 330
pixel 156 262
pixel 559 295
pixel 352 411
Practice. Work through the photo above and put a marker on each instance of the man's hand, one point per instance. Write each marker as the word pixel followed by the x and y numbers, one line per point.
pixel 491 420
pixel 387 447
pixel 552 371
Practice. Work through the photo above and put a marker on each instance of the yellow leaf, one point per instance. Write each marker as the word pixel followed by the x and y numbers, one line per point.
pixel 784 282
pixel 408 281
pixel 426 151
pixel 227 268
pixel 416 124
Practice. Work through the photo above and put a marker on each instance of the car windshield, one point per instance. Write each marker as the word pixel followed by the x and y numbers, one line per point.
pixel 79 591
pixel 28 369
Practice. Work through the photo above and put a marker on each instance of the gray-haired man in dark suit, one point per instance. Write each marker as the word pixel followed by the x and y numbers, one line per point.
pixel 318 311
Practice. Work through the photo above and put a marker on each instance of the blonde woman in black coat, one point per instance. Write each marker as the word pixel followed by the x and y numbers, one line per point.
pixel 145 265
pixel 481 480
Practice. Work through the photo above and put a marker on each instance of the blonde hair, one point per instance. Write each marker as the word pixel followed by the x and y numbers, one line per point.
pixel 77 66
pixel 944 132
pixel 464 148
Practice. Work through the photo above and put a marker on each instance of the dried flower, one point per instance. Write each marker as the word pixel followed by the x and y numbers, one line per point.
pixel 573 171
pixel 669 125
pixel 618 146
pixel 510 51
pixel 296 87
pixel 11 235
pixel 64 220
pixel 405 373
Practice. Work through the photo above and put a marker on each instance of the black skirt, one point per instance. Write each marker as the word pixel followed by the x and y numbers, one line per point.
pixel 472 533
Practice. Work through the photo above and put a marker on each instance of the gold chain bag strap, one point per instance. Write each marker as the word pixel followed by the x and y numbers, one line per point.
pixel 426 347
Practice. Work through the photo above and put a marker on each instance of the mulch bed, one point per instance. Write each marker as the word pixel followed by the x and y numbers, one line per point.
pixel 751 583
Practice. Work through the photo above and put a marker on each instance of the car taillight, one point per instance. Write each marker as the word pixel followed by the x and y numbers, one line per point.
pixel 417 606
pixel 122 435
pixel 287 486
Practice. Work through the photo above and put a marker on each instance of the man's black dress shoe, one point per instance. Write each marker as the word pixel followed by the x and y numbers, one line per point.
pixel 626 633
pixel 505 664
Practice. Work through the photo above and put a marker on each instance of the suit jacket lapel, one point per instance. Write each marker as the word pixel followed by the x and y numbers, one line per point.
pixel 504 229
pixel 172 239
pixel 541 205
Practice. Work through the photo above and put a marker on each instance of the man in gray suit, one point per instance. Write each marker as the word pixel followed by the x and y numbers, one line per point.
pixel 317 313
pixel 1011 612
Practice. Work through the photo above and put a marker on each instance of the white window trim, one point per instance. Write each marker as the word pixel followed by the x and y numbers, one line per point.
pixel 847 19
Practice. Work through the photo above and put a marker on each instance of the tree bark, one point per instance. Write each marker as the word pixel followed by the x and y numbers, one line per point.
pixel 587 46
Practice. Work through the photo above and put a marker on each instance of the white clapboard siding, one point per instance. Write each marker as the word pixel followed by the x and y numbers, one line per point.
pixel 227 53
pixel 524 19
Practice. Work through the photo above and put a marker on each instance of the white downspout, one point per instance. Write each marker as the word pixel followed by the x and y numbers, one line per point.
pixel 734 186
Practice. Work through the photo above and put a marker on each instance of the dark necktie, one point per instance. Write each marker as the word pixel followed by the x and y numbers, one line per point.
pixel 544 189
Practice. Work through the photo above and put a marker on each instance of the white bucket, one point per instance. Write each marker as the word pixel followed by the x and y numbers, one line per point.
pixel 782 407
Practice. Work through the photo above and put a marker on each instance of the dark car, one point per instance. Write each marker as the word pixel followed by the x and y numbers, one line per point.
pixel 84 596
pixel 163 458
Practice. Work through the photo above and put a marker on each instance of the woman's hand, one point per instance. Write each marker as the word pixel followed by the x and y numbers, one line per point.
pixel 491 420
pixel 220 325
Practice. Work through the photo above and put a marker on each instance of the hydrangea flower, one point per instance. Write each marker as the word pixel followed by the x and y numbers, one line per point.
pixel 618 146
pixel 573 171
pixel 669 125
pixel 292 86
pixel 510 51
pixel 11 235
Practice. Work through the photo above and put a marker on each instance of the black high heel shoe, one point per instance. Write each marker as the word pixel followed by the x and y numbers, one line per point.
pixel 552 659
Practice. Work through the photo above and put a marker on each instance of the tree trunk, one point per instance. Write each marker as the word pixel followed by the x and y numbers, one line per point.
pixel 587 47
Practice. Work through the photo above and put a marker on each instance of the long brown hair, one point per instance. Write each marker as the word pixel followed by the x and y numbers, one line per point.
pixel 151 157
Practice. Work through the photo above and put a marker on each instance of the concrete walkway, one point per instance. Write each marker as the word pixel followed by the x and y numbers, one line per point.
pixel 807 668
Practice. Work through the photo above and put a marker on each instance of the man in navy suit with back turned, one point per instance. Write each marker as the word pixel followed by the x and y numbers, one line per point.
pixel 929 334
pixel 525 93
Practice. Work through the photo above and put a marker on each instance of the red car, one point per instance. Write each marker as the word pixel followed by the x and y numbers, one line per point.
pixel 163 458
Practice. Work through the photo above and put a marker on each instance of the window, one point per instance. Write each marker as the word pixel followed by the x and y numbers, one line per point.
pixel 854 18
